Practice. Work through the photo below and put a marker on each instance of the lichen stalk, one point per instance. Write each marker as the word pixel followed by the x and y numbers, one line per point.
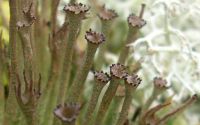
pixel 106 17
pixel 117 73
pixel 113 112
pixel 159 88
pixel 50 100
pixel 28 100
pixel 131 83
pixel 94 39
pixel 75 14
pixel 25 33
pixel 100 81
pixel 134 24
pixel 54 8
pixel 10 104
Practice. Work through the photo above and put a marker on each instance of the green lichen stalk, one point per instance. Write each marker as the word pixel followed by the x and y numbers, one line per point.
pixel 117 72
pixel 131 83
pixel 75 14
pixel 94 40
pixel 159 88
pixel 135 23
pixel 101 79
pixel 106 17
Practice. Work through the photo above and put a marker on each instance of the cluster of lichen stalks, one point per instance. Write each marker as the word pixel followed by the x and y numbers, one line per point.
pixel 39 107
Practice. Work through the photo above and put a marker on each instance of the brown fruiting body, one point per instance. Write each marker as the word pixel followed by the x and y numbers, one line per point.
pixel 101 76
pixel 136 21
pixel 159 82
pixel 107 14
pixel 68 112
pixel 118 70
pixel 94 37
pixel 132 80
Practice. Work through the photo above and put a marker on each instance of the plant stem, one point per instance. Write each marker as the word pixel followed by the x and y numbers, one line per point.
pixel 73 29
pixel 31 117
pixel 126 105
pixel 132 36
pixel 117 71
pixel 50 100
pixel 107 98
pixel 54 8
pixel 131 83
pixel 178 110
pixel 111 116
pixel 150 100
pixel 10 104
pixel 93 102
pixel 101 55
pixel 78 84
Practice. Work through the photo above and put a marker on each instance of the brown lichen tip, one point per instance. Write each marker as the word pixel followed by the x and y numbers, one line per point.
pixel 94 37
pixel 76 8
pixel 107 14
pixel 68 112
pixel 118 70
pixel 132 80
pixel 159 82
pixel 136 21
pixel 101 76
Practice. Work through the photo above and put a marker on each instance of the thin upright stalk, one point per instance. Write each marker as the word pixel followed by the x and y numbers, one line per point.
pixel 51 100
pixel 107 98
pixel 54 8
pixel 131 83
pixel 101 80
pixel 117 73
pixel 159 88
pixel 75 20
pixel 77 86
pixel 113 112
pixel 68 59
pixel 10 104
pixel 92 104
pixel 135 23
pixel 106 17
pixel 132 36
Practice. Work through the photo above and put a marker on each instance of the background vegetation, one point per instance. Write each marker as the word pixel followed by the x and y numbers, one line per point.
pixel 167 46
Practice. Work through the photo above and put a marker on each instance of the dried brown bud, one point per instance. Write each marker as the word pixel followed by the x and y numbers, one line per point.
pixel 118 70
pixel 136 21
pixel 159 82
pixel 101 76
pixel 132 80
pixel 68 112
pixel 107 14
pixel 94 37
pixel 77 9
